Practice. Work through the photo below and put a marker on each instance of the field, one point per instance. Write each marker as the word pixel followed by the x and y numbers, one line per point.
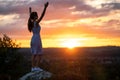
pixel 96 63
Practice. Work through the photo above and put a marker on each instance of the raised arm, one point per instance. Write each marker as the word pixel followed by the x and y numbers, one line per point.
pixel 43 13
pixel 30 10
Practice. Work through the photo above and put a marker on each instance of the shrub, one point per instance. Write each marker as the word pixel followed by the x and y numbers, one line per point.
pixel 10 59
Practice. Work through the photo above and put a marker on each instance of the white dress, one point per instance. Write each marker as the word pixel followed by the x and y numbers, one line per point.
pixel 36 43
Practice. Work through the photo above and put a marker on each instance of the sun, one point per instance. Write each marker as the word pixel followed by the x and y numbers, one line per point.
pixel 70 43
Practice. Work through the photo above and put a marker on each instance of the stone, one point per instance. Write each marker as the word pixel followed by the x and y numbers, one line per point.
pixel 36 75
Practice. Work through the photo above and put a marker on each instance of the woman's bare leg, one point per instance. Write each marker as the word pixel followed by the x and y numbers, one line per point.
pixel 38 60
pixel 33 61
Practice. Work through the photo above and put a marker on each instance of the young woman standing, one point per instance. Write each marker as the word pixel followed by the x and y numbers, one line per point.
pixel 36 44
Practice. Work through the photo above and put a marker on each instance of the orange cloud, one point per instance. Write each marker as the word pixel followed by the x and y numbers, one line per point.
pixel 68 19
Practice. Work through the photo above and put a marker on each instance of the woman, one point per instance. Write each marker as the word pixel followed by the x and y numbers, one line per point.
pixel 36 44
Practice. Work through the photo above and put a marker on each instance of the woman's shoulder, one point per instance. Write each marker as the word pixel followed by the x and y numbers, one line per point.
pixel 36 24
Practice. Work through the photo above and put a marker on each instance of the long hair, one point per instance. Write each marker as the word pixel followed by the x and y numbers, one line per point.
pixel 33 15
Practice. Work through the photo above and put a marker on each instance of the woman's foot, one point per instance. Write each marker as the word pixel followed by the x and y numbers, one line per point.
pixel 32 69
pixel 36 69
pixel 39 69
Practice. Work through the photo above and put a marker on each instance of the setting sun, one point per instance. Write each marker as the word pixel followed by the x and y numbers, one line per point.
pixel 69 26
pixel 70 43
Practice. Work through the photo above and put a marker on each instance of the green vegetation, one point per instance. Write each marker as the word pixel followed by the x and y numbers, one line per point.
pixel 11 61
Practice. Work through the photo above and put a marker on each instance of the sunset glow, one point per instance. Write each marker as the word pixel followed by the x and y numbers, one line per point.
pixel 70 43
pixel 67 23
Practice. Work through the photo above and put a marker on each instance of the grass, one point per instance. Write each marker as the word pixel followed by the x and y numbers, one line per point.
pixel 75 65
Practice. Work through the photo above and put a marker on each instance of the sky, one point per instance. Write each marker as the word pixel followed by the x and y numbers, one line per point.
pixel 74 23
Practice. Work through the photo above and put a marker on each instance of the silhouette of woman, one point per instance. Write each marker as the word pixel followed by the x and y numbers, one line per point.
pixel 36 44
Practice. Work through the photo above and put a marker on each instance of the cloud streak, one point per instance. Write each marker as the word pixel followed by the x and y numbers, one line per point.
pixel 63 17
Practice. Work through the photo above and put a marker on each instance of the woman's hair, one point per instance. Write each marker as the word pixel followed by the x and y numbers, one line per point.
pixel 33 16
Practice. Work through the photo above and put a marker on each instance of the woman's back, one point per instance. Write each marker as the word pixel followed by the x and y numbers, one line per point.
pixel 36 29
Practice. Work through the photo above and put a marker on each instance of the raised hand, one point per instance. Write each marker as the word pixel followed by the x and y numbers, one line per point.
pixel 43 13
pixel 30 10
pixel 46 4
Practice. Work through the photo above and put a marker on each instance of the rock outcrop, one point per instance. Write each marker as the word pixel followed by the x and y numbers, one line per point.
pixel 37 75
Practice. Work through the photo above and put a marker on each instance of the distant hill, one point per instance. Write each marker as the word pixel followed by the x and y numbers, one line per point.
pixel 88 51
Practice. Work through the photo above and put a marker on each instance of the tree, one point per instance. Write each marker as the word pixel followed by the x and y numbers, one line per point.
pixel 10 59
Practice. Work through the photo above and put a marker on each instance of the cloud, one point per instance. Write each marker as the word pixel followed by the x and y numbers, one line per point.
pixel 8 19
pixel 8 7
pixel 111 5
pixel 113 24
pixel 57 8
pixel 60 18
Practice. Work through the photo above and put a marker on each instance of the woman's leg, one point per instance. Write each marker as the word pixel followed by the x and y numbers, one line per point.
pixel 38 60
pixel 33 61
